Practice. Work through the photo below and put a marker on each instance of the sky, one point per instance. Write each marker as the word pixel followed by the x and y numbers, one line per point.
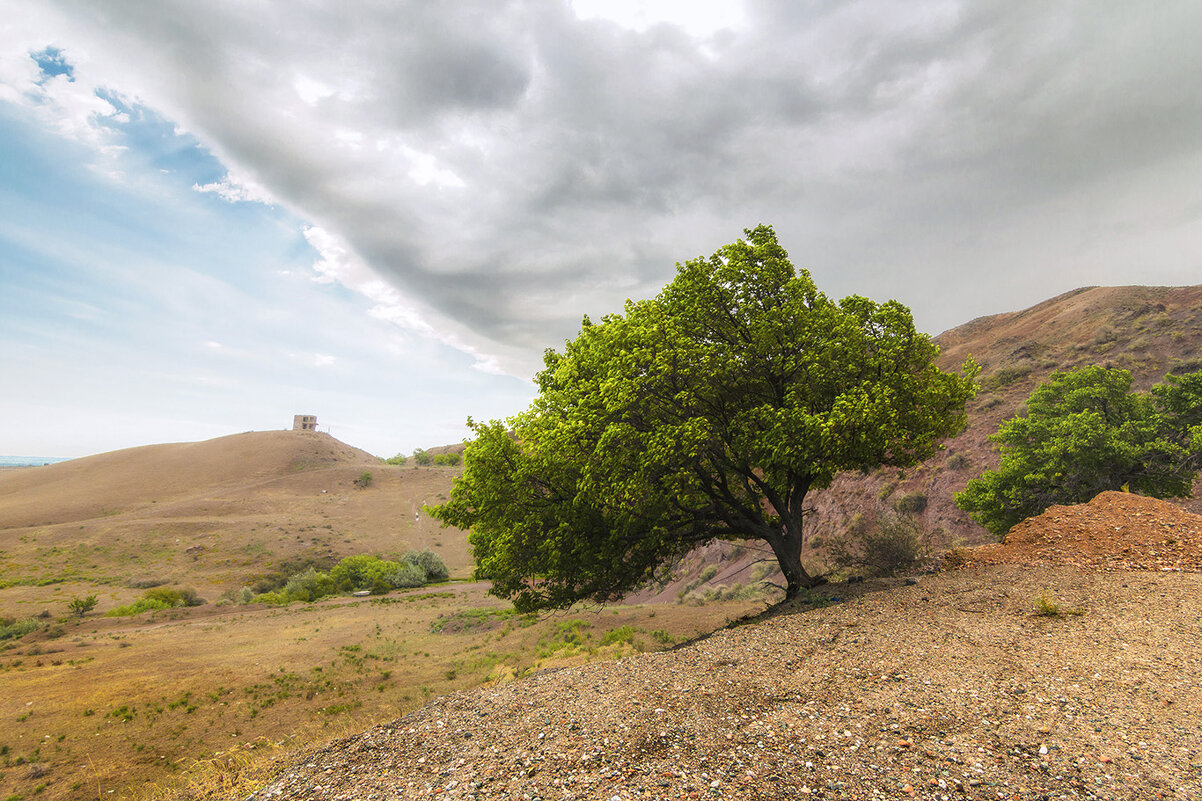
pixel 216 215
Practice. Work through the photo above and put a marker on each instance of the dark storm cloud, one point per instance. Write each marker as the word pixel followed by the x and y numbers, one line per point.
pixel 514 167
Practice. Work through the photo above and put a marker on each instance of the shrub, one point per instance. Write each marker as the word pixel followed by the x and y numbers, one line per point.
pixel 621 634
pixel 1004 377
pixel 137 608
pixel 955 557
pixel 183 596
pixel 432 567
pixel 448 459
pixel 912 503
pixel 11 629
pixel 957 461
pixel 422 457
pixel 895 544
pixel 364 480
pixel 308 586
pixel 399 459
pixel 158 598
pixel 406 575
pixel 81 606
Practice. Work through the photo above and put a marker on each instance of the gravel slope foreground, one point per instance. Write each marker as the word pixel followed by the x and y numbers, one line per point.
pixel 952 687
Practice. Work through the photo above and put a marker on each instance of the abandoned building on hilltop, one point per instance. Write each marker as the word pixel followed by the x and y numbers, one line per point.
pixel 304 422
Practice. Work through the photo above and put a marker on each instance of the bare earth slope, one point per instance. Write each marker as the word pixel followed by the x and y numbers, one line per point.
pixel 950 687
pixel 1147 330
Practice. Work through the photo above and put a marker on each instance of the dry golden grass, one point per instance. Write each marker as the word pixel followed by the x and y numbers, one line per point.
pixel 203 702
pixel 195 703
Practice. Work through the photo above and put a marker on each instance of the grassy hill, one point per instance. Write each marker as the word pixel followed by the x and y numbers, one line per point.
pixel 202 697
pixel 215 515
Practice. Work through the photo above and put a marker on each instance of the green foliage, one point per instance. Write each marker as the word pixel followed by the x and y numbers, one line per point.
pixel 137 608
pixel 912 503
pixel 1004 377
pixel 430 564
pixel 1084 432
pixel 81 606
pixel 158 598
pixel 450 459
pixel 957 461
pixel 622 634
pixel 398 460
pixel 1047 606
pixel 364 480
pixel 708 412
pixel 423 457
pixel 11 629
pixel 309 586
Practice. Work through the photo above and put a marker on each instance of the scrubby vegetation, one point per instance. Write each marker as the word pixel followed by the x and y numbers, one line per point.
pixel 158 598
pixel 890 545
pixel 353 574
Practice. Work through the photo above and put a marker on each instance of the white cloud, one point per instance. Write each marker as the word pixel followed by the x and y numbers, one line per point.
pixel 486 175
pixel 236 190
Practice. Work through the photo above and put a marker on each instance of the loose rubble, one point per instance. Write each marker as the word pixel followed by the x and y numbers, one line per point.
pixel 950 688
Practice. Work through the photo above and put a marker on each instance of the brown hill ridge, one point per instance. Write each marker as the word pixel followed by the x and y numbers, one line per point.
pixel 108 483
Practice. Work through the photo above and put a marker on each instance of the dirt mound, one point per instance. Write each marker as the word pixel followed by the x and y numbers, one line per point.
pixel 1114 531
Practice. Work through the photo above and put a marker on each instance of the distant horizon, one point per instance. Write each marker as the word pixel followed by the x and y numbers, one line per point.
pixel 33 461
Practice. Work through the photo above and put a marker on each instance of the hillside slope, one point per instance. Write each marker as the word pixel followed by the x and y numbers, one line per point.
pixel 958 685
pixel 110 483
pixel 213 515
pixel 1147 330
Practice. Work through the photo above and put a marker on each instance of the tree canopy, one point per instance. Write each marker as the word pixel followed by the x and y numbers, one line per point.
pixel 708 412
pixel 1084 432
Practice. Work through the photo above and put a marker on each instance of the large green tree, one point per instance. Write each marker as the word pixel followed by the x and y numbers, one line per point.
pixel 708 412
pixel 1084 432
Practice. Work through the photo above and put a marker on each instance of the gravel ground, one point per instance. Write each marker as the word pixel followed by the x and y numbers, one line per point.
pixel 951 687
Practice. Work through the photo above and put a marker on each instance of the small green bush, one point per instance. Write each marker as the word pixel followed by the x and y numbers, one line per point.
pixel 448 459
pixel 11 629
pixel 957 461
pixel 423 457
pixel 81 606
pixel 431 565
pixel 398 460
pixel 137 608
pixel 364 480
pixel 1004 377
pixel 621 634
pixel 158 598
pixel 912 503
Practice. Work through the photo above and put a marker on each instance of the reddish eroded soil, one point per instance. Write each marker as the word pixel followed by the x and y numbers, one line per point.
pixel 1114 531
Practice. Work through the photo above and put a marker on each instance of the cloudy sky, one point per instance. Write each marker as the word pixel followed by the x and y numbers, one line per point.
pixel 215 215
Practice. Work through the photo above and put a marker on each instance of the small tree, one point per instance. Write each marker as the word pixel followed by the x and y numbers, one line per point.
pixel 364 480
pixel 708 412
pixel 423 457
pixel 81 606
pixel 1084 432
pixel 398 460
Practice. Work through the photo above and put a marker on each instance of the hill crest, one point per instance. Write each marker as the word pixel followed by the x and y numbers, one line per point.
pixel 104 484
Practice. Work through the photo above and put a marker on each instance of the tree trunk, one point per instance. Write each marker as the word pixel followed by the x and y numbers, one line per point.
pixel 787 548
